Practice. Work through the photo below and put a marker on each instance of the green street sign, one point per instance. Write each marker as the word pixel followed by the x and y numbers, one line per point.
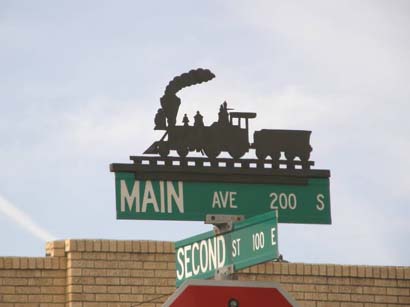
pixel 250 242
pixel 144 199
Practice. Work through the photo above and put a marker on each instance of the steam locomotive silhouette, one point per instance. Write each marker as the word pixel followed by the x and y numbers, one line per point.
pixel 229 134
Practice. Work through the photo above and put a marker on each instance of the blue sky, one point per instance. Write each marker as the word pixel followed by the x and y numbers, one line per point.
pixel 80 84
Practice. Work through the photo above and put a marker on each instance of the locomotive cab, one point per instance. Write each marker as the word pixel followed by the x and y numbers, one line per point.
pixel 239 116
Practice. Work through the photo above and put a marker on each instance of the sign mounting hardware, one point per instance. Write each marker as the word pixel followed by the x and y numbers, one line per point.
pixel 223 222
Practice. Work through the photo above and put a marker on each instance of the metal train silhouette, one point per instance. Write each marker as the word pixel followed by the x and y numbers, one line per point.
pixel 229 134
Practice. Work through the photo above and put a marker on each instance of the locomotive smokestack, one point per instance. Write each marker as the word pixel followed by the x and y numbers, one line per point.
pixel 170 102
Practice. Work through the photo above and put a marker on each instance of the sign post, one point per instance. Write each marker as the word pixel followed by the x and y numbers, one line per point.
pixel 250 242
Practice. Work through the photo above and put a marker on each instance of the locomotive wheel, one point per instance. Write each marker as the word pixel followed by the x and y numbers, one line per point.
pixel 211 151
pixel 275 156
pixel 261 154
pixel 237 153
pixel 304 157
pixel 183 151
pixel 163 149
pixel 290 156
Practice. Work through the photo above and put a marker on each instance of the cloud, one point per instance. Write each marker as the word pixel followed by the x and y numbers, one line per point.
pixel 25 221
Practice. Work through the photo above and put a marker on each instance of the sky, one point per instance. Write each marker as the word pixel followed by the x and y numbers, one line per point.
pixel 80 84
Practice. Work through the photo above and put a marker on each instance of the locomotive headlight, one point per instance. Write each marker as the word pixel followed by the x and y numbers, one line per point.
pixel 233 303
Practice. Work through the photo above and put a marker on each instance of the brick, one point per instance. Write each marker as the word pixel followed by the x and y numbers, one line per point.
pixel 353 271
pixel 304 288
pixel 269 268
pixel 362 282
pixel 144 246
pixel 152 246
pixel 165 257
pixel 8 263
pixel 385 299
pixel 107 280
pixel 338 270
pixel 385 283
pixel 308 269
pixel 299 268
pixel 164 290
pixel 315 269
pixel 74 289
pixel 89 246
pixel 330 270
pixel 315 279
pixel 128 246
pixel 33 261
pixel 136 247
pixel 160 247
pixel 169 247
pixel 322 288
pixel 376 272
pixel 284 268
pixel 292 268
pixel 346 270
pixel 95 289
pixel 384 272
pixel 369 272
pixel 135 298
pixel 391 272
pixel 120 246
pixel 339 297
pixel 113 246
pixel 400 272
pixel 276 268
pixel 261 269
pixel 142 289
pixel 80 245
pixel 24 263
pixel 105 246
pixel 28 290
pixel 362 298
pixel 314 296
pixel 361 271
pixel 298 295
pixel 322 270
pixel 328 304
pixel 119 289
pixel 289 278
pixel 97 245
pixel 398 291
pixel 407 273
pixel 375 290
pixel 307 303
pixel 7 289
pixel 350 289
pixel 404 300
pixel 339 280
pixel 81 297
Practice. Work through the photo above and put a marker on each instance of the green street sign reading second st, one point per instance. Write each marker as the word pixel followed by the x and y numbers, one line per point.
pixel 250 242
pixel 144 199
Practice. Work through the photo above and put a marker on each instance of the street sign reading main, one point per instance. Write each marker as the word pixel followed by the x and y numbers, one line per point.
pixel 252 241
pixel 141 199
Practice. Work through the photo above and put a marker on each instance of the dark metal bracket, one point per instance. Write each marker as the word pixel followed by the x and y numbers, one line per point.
pixel 223 222
pixel 224 273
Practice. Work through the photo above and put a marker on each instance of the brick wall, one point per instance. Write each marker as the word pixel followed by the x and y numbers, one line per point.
pixel 32 282
pixel 85 273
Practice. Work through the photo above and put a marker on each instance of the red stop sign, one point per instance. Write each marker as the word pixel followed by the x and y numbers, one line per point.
pixel 228 293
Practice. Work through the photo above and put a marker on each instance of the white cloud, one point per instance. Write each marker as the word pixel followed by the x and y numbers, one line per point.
pixel 23 220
